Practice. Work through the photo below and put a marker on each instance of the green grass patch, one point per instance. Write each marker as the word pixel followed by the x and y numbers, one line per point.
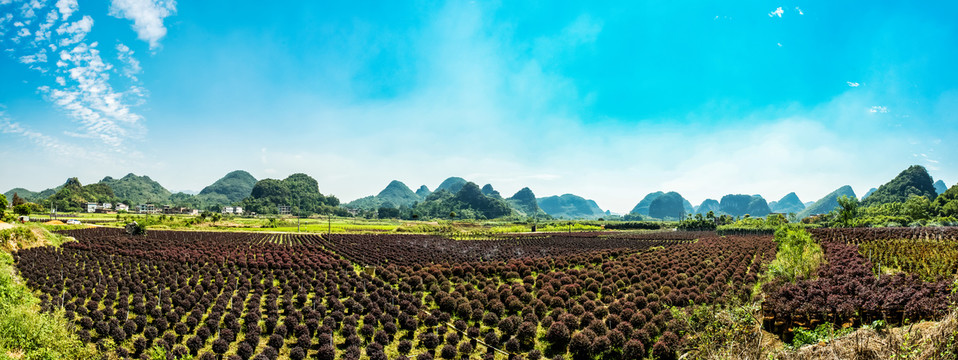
pixel 798 256
pixel 25 332
pixel 825 332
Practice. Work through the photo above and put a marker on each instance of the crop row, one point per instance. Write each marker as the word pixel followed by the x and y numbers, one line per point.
pixel 425 249
pixel 863 235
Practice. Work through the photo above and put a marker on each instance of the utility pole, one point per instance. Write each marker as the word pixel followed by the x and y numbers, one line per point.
pixel 535 223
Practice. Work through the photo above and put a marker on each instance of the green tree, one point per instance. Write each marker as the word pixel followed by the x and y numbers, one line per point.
pixel 388 212
pixel 918 207
pixel 22 209
pixel 3 203
pixel 848 209
pixel 946 204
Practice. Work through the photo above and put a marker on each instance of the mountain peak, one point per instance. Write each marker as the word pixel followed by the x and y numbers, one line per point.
pixel 452 184
pixel 423 191
pixel 235 186
pixel 912 181
pixel 397 194
pixel 487 190
pixel 670 205
pixel 570 206
pixel 788 204
pixel 827 203
pixel 940 187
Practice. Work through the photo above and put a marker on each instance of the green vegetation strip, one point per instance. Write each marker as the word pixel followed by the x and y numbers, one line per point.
pixel 797 255
pixel 25 331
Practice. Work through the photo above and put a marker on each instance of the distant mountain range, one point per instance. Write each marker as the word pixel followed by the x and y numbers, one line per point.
pixel 523 203
pixel 240 188
pixel 133 190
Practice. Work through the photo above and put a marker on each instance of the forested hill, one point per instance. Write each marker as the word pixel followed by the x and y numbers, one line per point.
pixel 137 189
pixel 827 203
pixel 234 187
pixel 570 206
pixel 912 181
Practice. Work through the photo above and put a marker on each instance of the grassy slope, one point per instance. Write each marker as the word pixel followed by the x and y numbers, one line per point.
pixel 25 331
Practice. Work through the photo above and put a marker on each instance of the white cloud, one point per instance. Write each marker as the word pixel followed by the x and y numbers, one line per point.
pixel 799 11
pixel 147 16
pixel 778 12
pixel 86 94
pixel 66 7
pixel 34 58
pixel 853 84
pixel 878 109
pixel 28 10
pixel 75 32
pixel 125 55
pixel 779 44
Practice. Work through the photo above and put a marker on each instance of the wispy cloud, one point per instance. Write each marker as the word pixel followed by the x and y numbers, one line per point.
pixel 53 145
pixel 852 84
pixel 78 77
pixel 132 66
pixel 800 12
pixel 147 16
pixel 777 12
pixel 877 109
pixel 929 163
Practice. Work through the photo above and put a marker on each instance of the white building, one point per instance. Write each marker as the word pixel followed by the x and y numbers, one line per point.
pixel 91 207
pixel 122 207
pixel 146 209
pixel 234 210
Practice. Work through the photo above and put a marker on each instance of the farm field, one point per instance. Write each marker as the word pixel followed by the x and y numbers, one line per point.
pixel 586 295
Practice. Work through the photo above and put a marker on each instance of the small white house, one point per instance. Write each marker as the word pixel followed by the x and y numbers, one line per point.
pixel 122 207
pixel 91 207
pixel 235 210
pixel 106 206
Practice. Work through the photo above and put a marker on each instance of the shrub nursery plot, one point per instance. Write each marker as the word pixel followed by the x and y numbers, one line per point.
pixel 851 290
pixel 242 295
pixel 931 253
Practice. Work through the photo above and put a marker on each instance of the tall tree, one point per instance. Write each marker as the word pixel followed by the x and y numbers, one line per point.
pixel 17 200
pixel 848 209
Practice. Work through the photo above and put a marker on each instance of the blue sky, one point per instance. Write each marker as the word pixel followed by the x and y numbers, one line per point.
pixel 606 100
